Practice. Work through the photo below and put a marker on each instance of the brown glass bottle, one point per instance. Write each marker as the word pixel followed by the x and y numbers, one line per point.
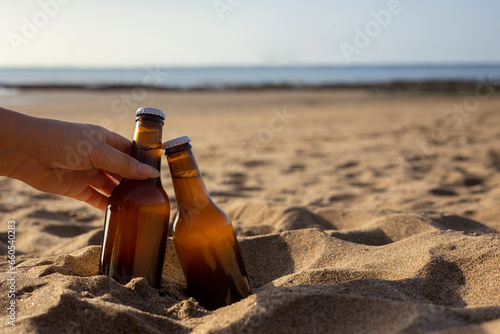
pixel 203 235
pixel 136 224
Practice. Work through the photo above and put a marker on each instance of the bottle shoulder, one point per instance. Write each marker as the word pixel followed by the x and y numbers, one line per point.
pixel 141 191
pixel 209 217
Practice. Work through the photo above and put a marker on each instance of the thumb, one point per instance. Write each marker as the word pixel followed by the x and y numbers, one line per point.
pixel 112 160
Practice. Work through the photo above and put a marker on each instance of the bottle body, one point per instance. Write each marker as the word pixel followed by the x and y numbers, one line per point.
pixel 137 216
pixel 135 233
pixel 204 240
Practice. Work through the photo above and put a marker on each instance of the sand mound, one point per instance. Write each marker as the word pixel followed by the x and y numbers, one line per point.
pixel 253 218
pixel 428 277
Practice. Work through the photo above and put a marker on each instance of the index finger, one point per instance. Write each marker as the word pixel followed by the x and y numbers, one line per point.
pixel 117 141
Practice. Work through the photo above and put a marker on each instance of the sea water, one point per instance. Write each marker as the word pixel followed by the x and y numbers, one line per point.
pixel 220 77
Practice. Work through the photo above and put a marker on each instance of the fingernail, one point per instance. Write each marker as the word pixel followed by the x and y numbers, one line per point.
pixel 147 171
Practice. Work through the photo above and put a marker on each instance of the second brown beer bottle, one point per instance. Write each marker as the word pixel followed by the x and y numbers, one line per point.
pixel 137 217
pixel 203 235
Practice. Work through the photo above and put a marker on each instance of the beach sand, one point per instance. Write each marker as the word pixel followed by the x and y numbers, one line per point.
pixel 357 211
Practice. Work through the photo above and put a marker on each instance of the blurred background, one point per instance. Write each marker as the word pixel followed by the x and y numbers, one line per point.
pixel 221 43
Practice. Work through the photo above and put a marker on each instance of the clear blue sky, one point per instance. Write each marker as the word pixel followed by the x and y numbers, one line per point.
pixel 246 32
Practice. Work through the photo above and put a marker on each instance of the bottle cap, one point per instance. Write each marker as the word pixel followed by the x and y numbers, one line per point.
pixel 176 142
pixel 150 111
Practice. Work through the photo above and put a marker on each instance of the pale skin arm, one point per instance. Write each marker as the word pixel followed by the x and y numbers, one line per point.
pixel 82 161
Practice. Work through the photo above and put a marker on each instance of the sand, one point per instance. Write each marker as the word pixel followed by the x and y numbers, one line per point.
pixel 357 211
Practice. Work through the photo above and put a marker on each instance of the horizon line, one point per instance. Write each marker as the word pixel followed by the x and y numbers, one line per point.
pixel 228 66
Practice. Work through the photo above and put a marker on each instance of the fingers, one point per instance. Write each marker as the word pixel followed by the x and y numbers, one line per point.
pixel 112 160
pixel 115 176
pixel 116 141
pixel 93 198
pixel 103 183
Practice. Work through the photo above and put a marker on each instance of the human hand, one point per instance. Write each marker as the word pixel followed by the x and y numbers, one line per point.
pixel 82 161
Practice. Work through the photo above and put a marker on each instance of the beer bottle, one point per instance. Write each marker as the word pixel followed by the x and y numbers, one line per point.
pixel 137 216
pixel 203 235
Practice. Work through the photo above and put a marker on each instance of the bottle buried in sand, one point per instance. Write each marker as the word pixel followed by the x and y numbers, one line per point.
pixel 203 235
pixel 136 224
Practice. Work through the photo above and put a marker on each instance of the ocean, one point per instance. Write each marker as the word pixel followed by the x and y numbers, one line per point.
pixel 220 77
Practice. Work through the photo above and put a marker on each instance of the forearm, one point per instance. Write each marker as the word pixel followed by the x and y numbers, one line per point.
pixel 15 138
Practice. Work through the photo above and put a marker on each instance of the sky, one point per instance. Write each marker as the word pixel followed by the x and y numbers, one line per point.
pixel 123 33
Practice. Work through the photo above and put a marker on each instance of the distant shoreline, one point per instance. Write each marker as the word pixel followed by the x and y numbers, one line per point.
pixel 425 86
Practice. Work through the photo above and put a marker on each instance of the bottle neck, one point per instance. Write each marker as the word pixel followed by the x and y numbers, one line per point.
pixel 146 146
pixel 190 190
